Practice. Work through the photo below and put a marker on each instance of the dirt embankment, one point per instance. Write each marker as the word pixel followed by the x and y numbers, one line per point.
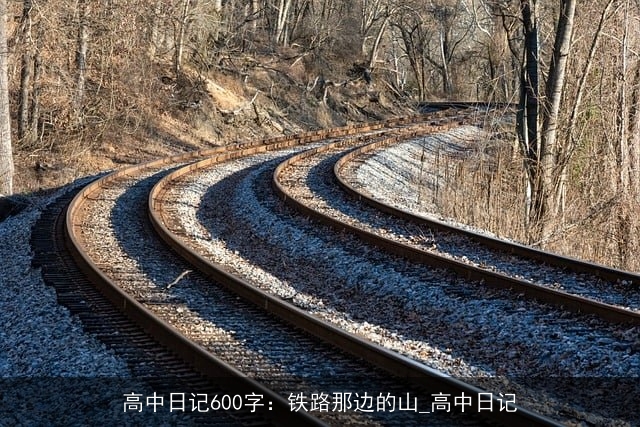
pixel 255 98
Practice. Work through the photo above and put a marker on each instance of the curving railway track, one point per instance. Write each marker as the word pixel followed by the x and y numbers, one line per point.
pixel 256 317
pixel 588 288
pixel 154 368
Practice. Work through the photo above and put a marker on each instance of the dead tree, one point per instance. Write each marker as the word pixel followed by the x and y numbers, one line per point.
pixel 6 155
pixel 82 47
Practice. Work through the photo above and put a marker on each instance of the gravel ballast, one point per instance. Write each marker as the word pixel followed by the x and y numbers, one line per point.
pixel 456 327
pixel 38 336
pixel 39 339
pixel 51 371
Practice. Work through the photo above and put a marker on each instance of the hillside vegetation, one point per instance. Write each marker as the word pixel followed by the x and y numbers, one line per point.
pixel 101 85
pixel 95 85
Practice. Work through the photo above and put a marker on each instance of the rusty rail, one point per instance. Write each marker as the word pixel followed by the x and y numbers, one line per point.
pixel 390 361
pixel 194 354
pixel 553 296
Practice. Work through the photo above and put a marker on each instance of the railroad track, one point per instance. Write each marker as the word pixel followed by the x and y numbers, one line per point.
pixel 168 218
pixel 307 183
pixel 121 269
pixel 261 222
pixel 499 263
pixel 187 323
pixel 589 288
pixel 154 368
pixel 176 304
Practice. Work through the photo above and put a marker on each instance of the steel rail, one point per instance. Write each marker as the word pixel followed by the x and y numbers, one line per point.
pixel 390 361
pixel 194 354
pixel 167 335
pixel 164 370
pixel 573 264
pixel 560 298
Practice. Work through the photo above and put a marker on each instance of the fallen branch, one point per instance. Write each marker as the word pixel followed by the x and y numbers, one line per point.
pixel 239 110
pixel 184 273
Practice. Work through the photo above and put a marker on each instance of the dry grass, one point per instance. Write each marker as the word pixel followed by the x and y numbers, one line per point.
pixel 486 190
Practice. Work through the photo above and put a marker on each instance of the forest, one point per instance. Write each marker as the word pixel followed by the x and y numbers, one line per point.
pixel 88 85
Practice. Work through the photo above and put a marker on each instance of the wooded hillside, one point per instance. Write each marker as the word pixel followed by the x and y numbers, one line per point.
pixel 93 84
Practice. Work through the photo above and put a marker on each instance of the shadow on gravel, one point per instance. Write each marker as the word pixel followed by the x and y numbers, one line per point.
pixel 160 267
pixel 297 362
pixel 267 241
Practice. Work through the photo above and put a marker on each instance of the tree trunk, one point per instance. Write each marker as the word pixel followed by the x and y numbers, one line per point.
pixel 281 22
pixel 6 154
pixel 81 60
pixel 527 116
pixel 447 85
pixel 583 84
pixel 35 98
pixel 500 45
pixel 376 44
pixel 413 40
pixel 538 127
pixel 25 72
pixel 23 101
pixel 179 43
pixel 627 151
pixel 255 11
pixel 153 30
pixel 622 165
pixel 555 85
pixel 634 136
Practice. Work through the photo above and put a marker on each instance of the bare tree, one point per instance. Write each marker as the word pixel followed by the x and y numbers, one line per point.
pixel 181 32
pixel 374 19
pixel 415 37
pixel 453 28
pixel 571 142
pixel 634 134
pixel 499 27
pixel 554 93
pixel 325 18
pixel 538 116
pixel 26 70
pixel 6 153
pixel 281 34
pixel 82 48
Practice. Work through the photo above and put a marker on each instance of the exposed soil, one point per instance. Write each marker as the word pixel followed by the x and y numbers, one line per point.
pixel 266 98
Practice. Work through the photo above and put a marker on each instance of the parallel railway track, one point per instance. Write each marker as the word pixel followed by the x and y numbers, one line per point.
pixel 345 180
pixel 153 302
pixel 154 368
pixel 488 266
